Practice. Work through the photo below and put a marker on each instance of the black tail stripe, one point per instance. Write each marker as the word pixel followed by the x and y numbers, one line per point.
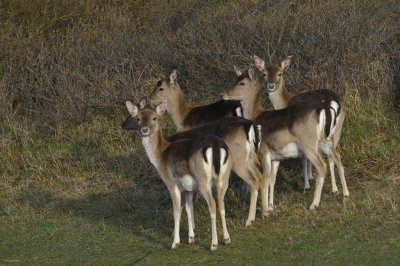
pixel 216 158
pixel 336 115
pixel 204 155
pixel 247 130
pixel 328 122
pixel 226 156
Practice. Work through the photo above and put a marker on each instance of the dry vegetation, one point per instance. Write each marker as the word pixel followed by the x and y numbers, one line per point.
pixel 67 67
pixel 62 61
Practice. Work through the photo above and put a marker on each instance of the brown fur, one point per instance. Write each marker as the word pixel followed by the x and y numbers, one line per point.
pixel 286 133
pixel 184 114
pixel 282 98
pixel 185 117
pixel 183 165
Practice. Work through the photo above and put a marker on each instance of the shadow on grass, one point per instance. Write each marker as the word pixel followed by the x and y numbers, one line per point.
pixel 145 214
pixel 142 206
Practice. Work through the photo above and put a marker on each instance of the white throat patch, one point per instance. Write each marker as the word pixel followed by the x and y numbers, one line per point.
pixel 149 150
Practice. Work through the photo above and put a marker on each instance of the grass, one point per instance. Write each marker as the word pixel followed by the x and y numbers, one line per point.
pixel 360 231
pixel 92 197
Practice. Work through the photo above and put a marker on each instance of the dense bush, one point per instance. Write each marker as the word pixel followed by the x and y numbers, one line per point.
pixel 63 61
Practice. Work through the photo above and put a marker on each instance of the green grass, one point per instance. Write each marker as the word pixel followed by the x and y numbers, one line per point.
pixel 97 229
pixel 92 197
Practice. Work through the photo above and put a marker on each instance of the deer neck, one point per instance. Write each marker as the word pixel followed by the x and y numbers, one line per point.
pixel 280 98
pixel 154 145
pixel 178 107
pixel 252 106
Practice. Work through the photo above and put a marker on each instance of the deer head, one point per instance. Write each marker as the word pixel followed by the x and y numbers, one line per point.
pixel 272 74
pixel 146 118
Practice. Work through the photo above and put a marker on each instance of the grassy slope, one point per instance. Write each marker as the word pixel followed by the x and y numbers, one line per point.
pixel 83 199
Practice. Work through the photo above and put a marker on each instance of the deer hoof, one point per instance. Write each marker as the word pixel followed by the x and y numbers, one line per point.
pixel 249 222
pixel 227 241
pixel 174 245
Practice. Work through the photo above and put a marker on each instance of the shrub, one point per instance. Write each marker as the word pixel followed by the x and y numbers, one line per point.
pixel 63 61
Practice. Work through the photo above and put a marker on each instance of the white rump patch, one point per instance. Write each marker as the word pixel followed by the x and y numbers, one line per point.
pixel 208 166
pixel 239 111
pixel 334 113
pixel 250 143
pixel 333 118
pixel 223 165
pixel 252 135
pixel 321 123
pixel 223 156
pixel 335 106
pixel 209 155
pixel 187 183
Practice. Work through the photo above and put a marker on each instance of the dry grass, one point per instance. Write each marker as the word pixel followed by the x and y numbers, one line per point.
pixel 79 58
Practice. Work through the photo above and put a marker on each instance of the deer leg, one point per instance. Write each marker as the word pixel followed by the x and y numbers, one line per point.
pixel 207 194
pixel 266 167
pixel 221 206
pixel 177 207
pixel 274 171
pixel 190 214
pixel 253 205
pixel 306 176
pixel 309 170
pixel 243 172
pixel 332 172
pixel 339 164
pixel 320 166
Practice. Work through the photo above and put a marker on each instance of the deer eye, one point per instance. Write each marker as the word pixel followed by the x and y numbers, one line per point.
pixel 155 118
pixel 241 83
pixel 160 89
pixel 280 74
pixel 138 119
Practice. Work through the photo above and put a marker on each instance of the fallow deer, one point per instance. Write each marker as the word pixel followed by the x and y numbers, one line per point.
pixel 186 166
pixel 184 114
pixel 280 97
pixel 287 133
pixel 239 138
pixel 243 140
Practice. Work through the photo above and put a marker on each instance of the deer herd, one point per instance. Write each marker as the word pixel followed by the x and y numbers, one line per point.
pixel 237 134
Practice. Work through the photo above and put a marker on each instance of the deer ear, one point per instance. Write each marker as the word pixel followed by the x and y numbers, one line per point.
pixel 260 64
pixel 250 72
pixel 285 63
pixel 237 70
pixel 173 77
pixel 160 109
pixel 143 103
pixel 132 109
